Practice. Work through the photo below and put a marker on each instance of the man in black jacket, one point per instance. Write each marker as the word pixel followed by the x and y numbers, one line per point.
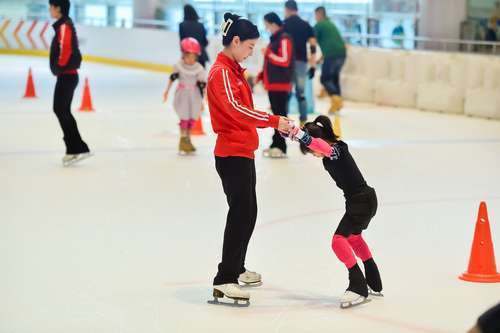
pixel 65 59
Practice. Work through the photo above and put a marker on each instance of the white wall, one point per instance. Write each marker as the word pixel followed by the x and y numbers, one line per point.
pixel 145 45
pixel 138 44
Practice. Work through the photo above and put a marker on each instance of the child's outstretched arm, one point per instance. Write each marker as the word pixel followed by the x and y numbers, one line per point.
pixel 174 76
pixel 315 144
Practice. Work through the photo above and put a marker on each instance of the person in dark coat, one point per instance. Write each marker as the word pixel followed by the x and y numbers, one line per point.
pixel 491 32
pixel 190 27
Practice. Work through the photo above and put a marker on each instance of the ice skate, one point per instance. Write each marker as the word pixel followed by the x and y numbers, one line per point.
pixel 371 292
pixel 274 153
pixel 357 291
pixel 351 299
pixel 191 147
pixel 373 278
pixel 336 104
pixel 232 291
pixel 184 147
pixel 70 159
pixel 250 279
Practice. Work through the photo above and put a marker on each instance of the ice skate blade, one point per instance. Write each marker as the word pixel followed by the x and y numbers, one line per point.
pixel 236 302
pixel 375 293
pixel 270 155
pixel 186 153
pixel 348 305
pixel 77 159
pixel 250 285
pixel 281 157
pixel 69 163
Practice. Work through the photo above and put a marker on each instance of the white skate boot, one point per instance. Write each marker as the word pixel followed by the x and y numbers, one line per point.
pixel 274 153
pixel 250 278
pixel 232 291
pixel 70 159
pixel 375 293
pixel 350 299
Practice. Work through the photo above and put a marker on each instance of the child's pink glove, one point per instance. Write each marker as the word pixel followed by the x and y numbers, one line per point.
pixel 322 147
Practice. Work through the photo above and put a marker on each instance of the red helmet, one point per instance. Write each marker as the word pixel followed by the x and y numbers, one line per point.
pixel 190 45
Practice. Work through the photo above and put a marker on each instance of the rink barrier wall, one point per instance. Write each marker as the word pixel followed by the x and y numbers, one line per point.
pixel 455 83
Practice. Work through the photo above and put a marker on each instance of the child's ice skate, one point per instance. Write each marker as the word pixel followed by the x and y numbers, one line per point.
pixel 357 291
pixel 251 279
pixel 373 278
pixel 70 159
pixel 184 147
pixel 274 153
pixel 372 292
pixel 191 147
pixel 351 299
pixel 232 291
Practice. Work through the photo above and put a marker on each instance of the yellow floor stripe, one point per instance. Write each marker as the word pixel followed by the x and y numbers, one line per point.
pixel 96 59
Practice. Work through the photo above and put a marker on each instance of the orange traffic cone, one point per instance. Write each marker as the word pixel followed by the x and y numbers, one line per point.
pixel 482 266
pixel 30 86
pixel 87 98
pixel 198 128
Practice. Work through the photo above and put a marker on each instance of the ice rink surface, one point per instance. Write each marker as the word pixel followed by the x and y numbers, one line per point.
pixel 128 241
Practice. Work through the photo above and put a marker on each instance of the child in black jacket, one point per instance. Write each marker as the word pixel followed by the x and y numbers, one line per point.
pixel 361 206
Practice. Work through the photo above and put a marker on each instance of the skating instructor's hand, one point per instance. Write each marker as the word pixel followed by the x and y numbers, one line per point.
pixel 165 96
pixel 285 125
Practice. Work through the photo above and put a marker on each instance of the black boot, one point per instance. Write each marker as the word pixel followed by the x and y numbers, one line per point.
pixel 357 282
pixel 373 275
